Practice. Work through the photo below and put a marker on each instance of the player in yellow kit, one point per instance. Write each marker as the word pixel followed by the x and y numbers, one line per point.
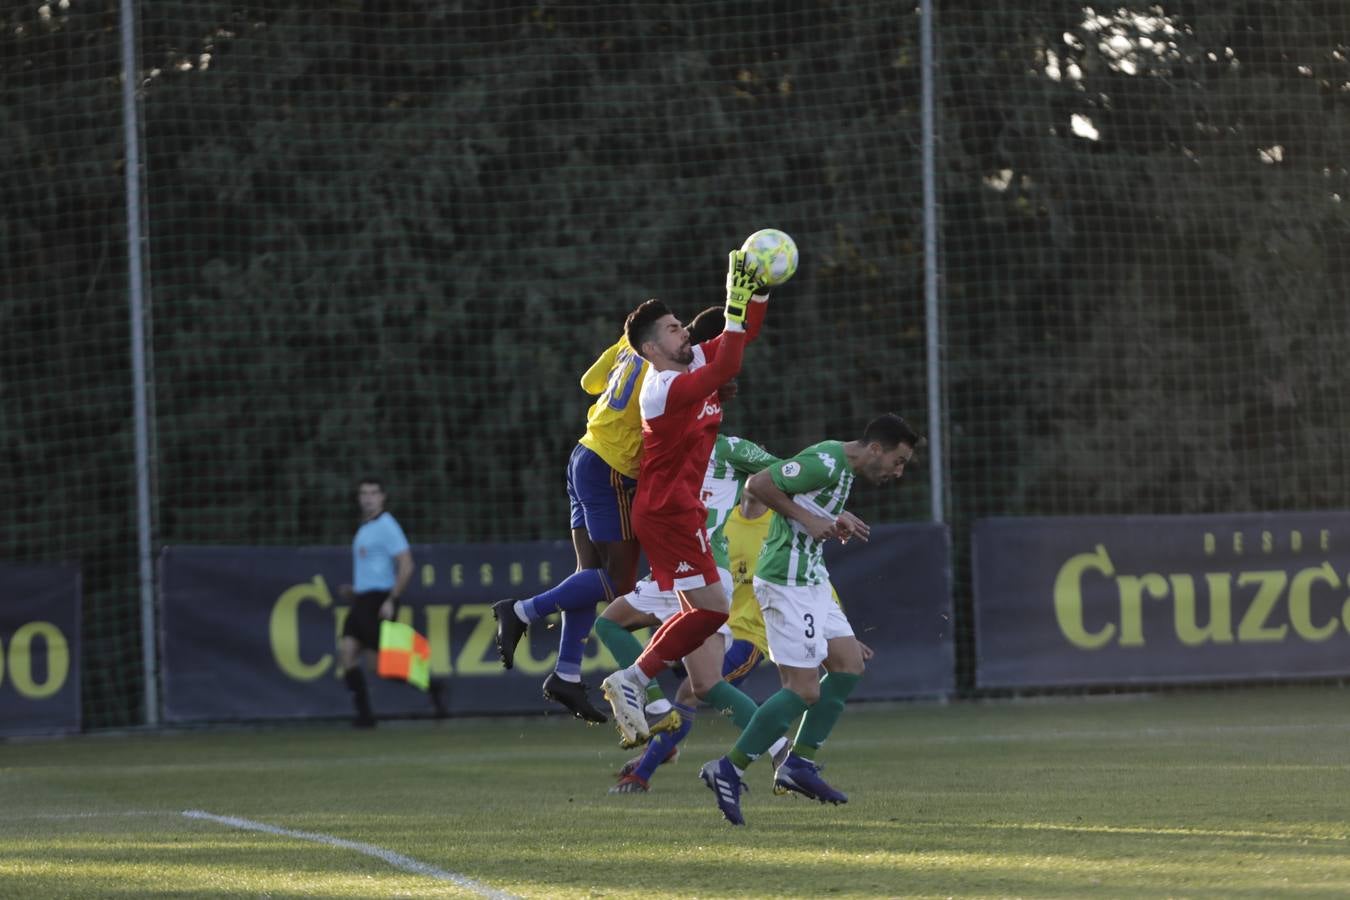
pixel 601 480
pixel 746 529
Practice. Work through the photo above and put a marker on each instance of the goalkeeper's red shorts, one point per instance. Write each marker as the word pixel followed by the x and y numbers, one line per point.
pixel 678 550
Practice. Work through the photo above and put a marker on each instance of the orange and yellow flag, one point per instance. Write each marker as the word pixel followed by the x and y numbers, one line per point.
pixel 404 654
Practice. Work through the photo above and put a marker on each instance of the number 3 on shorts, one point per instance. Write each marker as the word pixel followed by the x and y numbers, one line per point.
pixel 810 621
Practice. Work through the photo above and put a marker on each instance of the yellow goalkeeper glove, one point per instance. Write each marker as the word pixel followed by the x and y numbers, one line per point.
pixel 742 283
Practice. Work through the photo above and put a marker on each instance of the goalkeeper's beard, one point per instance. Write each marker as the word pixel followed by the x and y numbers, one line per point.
pixel 683 356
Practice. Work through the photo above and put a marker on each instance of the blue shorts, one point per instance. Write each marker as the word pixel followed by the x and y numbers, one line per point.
pixel 740 661
pixel 602 499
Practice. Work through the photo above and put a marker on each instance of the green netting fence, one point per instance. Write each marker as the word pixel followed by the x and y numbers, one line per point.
pixel 388 239
pixel 1144 223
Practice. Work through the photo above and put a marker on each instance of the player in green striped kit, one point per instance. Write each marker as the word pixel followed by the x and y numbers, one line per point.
pixel 805 629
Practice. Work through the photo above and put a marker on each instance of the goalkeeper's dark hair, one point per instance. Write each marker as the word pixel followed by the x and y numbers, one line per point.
pixel 707 325
pixel 372 479
pixel 640 326
pixel 890 431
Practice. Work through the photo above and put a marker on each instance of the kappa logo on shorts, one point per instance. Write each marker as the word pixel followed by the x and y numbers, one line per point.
pixel 683 567
pixel 810 648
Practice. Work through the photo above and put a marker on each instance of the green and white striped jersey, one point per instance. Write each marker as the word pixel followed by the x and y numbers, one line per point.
pixel 733 460
pixel 818 479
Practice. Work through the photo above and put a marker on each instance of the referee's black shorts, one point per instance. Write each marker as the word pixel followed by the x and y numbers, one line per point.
pixel 363 619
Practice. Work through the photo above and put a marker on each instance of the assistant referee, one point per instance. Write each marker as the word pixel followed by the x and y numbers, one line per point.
pixel 382 566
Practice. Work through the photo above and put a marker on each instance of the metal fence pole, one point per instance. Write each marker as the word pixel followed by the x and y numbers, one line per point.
pixel 131 126
pixel 932 316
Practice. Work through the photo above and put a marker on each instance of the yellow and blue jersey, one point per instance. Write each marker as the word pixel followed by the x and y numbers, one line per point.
pixel 614 421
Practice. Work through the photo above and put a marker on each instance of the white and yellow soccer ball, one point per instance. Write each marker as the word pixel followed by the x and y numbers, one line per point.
pixel 773 254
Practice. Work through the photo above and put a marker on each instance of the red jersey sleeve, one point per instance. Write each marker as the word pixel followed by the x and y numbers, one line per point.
pixel 693 387
pixel 754 320
pixel 723 354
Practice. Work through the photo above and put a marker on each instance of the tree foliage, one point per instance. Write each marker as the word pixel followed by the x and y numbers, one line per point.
pixel 389 239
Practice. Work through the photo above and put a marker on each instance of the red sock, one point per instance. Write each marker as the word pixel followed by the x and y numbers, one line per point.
pixel 682 634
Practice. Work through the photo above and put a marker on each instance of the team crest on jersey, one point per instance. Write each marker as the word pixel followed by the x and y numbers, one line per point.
pixel 792 469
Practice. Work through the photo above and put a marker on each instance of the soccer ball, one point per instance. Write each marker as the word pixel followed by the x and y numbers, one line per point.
pixel 772 253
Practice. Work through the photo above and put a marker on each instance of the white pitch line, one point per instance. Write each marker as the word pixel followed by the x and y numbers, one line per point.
pixel 397 860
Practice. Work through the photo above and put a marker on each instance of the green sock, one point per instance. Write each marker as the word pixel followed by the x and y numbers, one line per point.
pixel 732 701
pixel 820 718
pixel 619 641
pixel 768 724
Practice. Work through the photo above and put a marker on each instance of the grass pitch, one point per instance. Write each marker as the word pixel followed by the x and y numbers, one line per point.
pixel 1238 793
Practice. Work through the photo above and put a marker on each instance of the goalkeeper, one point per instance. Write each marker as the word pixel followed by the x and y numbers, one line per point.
pixel 742 534
pixel 717 668
pixel 681 411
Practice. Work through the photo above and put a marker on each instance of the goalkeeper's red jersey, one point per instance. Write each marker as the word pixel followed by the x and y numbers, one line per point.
pixel 680 415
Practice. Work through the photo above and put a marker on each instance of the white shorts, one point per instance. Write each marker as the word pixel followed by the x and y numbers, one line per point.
pixel 799 622
pixel 650 599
